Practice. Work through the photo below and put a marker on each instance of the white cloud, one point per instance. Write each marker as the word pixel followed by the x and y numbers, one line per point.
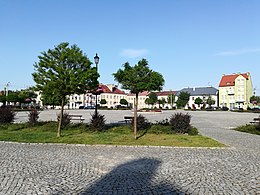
pixel 134 53
pixel 238 52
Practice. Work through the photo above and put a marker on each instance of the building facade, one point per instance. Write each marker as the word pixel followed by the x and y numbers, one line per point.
pixel 235 91
pixel 203 93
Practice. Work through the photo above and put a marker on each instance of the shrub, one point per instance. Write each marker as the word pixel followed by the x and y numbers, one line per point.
pixel 142 122
pixel 193 131
pixel 180 123
pixel 6 115
pixel 66 119
pixel 33 116
pixel 225 108
pixel 97 122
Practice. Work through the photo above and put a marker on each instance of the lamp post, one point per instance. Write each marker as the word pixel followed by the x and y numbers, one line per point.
pixel 96 60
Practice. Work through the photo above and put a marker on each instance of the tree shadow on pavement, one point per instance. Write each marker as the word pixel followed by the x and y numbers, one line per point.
pixel 134 177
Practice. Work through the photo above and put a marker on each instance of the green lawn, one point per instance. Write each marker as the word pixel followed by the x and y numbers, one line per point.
pixel 253 129
pixel 80 134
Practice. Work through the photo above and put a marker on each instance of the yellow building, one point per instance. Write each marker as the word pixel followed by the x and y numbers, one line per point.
pixel 235 91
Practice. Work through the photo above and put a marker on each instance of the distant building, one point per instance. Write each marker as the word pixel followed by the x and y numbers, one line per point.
pixel 200 92
pixel 165 95
pixel 235 91
pixel 110 93
pixel 141 99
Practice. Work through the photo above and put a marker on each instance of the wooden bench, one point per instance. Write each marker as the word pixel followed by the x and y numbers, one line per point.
pixel 128 119
pixel 255 121
pixel 76 117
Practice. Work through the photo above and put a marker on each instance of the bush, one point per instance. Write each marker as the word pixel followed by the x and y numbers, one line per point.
pixel 6 115
pixel 97 122
pixel 66 119
pixel 142 123
pixel 225 108
pixel 33 116
pixel 193 131
pixel 180 123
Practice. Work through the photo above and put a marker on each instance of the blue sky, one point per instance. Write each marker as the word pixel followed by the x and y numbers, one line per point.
pixel 191 42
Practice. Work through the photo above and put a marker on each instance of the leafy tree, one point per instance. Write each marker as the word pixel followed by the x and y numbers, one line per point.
pixel 255 99
pixel 63 71
pixel 161 102
pixel 171 99
pixel 183 99
pixel 138 78
pixel 198 101
pixel 210 101
pixel 12 97
pixel 123 102
pixel 3 99
pixel 103 101
pixel 152 98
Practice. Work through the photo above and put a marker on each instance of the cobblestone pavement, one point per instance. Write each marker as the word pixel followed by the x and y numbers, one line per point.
pixel 79 169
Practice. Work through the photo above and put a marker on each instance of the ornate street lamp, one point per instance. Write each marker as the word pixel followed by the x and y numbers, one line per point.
pixel 96 60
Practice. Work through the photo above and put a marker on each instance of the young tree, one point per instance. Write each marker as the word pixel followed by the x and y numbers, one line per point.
pixel 3 99
pixel 198 101
pixel 138 78
pixel 123 102
pixel 183 99
pixel 103 101
pixel 161 102
pixel 210 101
pixel 255 99
pixel 153 98
pixel 63 71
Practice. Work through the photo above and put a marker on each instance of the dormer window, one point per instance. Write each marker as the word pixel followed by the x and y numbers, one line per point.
pixel 228 83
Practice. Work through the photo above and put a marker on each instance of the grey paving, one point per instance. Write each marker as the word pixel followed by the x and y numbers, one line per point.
pixel 80 169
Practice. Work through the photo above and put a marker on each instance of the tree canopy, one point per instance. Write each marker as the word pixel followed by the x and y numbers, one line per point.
pixel 63 71
pixel 183 99
pixel 198 101
pixel 138 78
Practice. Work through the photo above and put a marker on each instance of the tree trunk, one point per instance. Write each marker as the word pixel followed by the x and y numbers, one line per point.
pixel 61 117
pixel 135 115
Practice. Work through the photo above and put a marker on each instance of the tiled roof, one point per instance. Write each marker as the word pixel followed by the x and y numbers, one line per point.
pixel 198 91
pixel 229 80
pixel 144 93
pixel 106 89
pixel 165 93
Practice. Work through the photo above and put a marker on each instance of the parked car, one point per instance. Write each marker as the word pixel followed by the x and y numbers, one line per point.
pixel 89 107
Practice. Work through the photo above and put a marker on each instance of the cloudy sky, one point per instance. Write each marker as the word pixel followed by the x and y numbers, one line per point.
pixel 191 42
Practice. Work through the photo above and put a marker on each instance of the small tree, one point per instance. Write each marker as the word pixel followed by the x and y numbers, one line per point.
pixel 138 78
pixel 198 101
pixel 255 99
pixel 3 99
pixel 124 102
pixel 161 102
pixel 210 101
pixel 153 98
pixel 63 71
pixel 183 99
pixel 103 101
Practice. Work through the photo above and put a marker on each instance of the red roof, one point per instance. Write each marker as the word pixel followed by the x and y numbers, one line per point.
pixel 144 93
pixel 106 89
pixel 229 80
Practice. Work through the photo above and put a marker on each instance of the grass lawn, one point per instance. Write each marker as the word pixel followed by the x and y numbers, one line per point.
pixel 117 135
pixel 253 129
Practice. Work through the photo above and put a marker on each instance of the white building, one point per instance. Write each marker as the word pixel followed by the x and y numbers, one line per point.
pixel 200 92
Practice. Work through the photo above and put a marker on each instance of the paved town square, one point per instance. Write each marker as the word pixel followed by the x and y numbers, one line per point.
pixel 80 169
